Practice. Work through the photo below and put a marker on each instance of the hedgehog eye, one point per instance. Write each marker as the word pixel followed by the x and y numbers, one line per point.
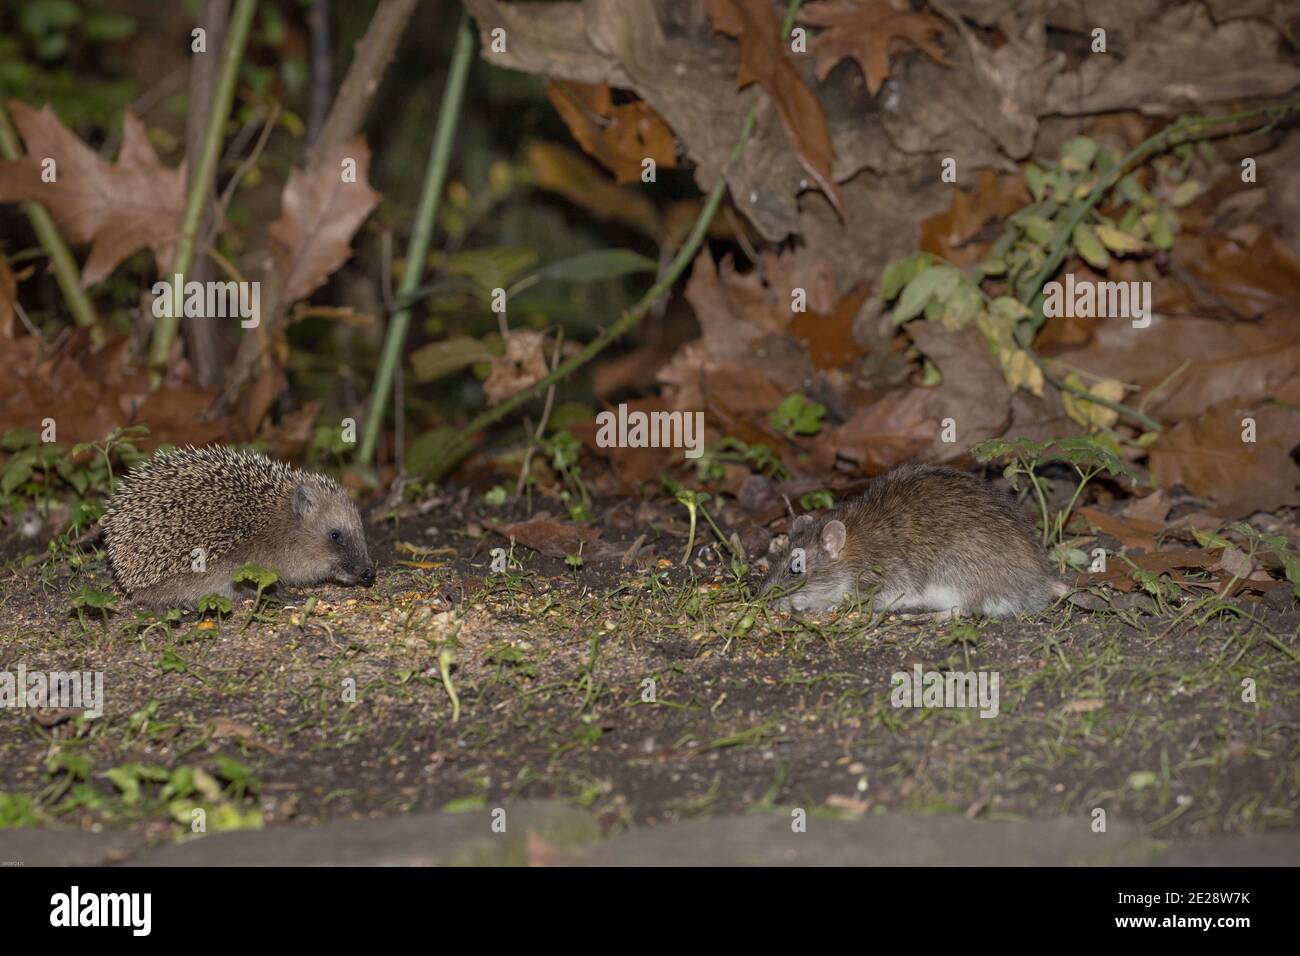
pixel 334 536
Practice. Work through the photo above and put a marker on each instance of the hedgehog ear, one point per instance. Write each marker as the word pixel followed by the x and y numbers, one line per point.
pixel 801 523
pixel 303 500
pixel 833 537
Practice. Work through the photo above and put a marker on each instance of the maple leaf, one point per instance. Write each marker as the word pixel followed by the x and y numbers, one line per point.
pixel 763 60
pixel 865 32
pixel 118 208
pixel 620 137
pixel 320 212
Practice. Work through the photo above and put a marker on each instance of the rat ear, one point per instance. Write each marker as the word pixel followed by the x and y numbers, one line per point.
pixel 833 536
pixel 303 500
pixel 801 523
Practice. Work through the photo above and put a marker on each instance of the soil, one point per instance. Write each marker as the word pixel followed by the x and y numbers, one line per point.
pixel 641 690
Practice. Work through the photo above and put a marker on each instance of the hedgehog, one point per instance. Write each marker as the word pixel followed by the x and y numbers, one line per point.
pixel 179 526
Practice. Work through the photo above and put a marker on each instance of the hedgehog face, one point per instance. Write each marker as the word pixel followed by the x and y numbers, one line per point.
pixel 332 542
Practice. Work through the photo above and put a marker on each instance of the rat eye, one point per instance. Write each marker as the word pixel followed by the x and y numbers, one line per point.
pixel 334 536
pixel 798 561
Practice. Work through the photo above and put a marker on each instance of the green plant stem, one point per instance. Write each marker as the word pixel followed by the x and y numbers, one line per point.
pixel 464 439
pixel 65 267
pixel 418 247
pixel 726 543
pixel 164 330
pixel 1063 518
pixel 1027 468
pixel 690 535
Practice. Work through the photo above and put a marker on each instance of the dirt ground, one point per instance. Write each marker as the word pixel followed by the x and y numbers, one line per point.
pixel 642 691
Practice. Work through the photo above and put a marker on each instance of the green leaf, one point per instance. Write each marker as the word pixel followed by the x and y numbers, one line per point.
pixel 1077 154
pixel 439 359
pixel 1090 247
pixel 171 663
pixel 590 267
pixel 260 577
pixel 1038 228
pixel 92 597
pixel 475 801
pixel 899 274
pixel 492 268
pixel 18 810
pixel 125 779
pixel 796 415
pixel 16 475
pixel 816 500
pixel 216 603
pixel 1036 180
pixel 935 282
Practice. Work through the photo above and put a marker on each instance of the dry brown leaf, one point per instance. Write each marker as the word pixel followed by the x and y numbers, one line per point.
pixel 319 214
pixel 763 60
pixel 523 363
pixel 1130 532
pixel 950 235
pixel 550 536
pixel 889 431
pixel 829 337
pixel 621 137
pixel 1119 574
pixel 866 31
pixel 1198 362
pixel 1154 508
pixel 1208 457
pixel 118 208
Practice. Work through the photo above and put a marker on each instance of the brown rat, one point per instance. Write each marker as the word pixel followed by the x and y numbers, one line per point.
pixel 922 538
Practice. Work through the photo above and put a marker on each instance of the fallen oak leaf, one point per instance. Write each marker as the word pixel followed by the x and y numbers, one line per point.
pixel 1212 458
pixel 621 137
pixel 549 536
pixel 118 208
pixel 763 60
pixel 1130 532
pixel 865 32
pixel 320 211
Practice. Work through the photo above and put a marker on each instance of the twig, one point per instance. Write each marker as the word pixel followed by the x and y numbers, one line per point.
pixel 250 160
pixel 232 54
pixel 361 82
pixel 322 69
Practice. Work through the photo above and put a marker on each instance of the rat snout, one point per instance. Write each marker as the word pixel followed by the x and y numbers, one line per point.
pixel 368 576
